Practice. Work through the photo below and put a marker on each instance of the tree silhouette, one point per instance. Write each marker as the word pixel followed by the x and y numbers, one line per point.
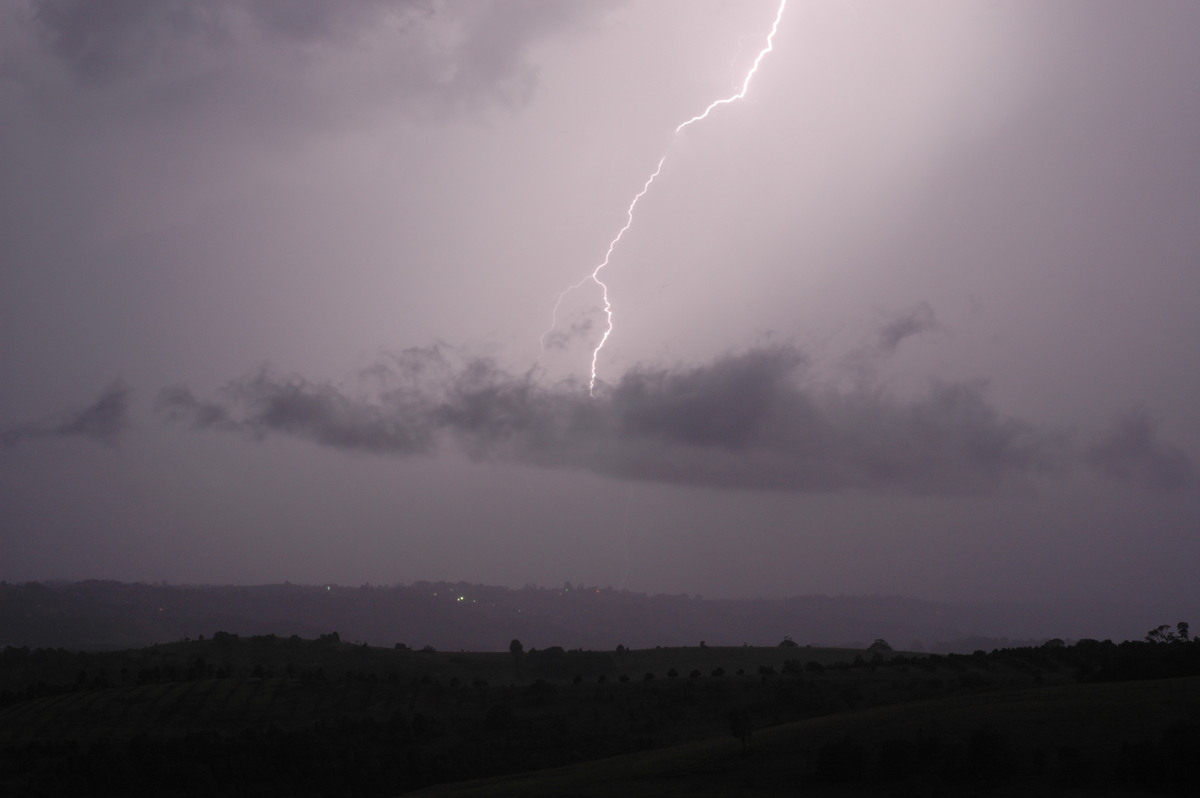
pixel 518 654
pixel 741 725
pixel 1163 634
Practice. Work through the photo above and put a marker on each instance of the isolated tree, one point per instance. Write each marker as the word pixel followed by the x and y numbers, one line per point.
pixel 879 645
pixel 741 725
pixel 1159 634
pixel 518 654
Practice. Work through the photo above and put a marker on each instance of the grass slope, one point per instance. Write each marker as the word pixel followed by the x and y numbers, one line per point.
pixel 1042 741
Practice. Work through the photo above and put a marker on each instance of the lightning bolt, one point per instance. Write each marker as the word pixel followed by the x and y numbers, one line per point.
pixel 612 245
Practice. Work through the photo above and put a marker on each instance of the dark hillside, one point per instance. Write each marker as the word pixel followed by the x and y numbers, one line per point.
pixel 1137 738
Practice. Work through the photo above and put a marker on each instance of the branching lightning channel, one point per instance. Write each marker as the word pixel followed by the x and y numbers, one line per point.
pixel 595 274
pixel 770 45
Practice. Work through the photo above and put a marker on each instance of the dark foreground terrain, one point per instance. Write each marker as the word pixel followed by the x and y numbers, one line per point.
pixel 267 715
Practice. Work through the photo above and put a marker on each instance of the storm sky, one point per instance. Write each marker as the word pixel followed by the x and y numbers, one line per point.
pixel 917 315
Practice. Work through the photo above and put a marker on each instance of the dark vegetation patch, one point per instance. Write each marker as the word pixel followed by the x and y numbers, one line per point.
pixel 267 715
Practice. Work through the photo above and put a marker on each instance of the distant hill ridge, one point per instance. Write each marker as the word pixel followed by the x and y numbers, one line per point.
pixel 99 614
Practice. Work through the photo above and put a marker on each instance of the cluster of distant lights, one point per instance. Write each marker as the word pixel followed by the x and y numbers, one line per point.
pixel 461 598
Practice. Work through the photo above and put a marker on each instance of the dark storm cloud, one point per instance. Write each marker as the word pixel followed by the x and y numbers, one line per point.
pixel 103 420
pixel 743 421
pixel 905 324
pixel 863 363
pixel 726 405
pixel 266 403
pixel 1130 451
pixel 311 20
pixel 223 50
pixel 103 40
pixel 100 40
pixel 181 406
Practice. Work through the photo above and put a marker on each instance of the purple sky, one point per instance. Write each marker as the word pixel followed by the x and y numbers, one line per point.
pixel 918 315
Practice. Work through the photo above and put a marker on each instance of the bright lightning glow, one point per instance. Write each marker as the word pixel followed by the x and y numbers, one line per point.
pixel 749 75
pixel 595 275
pixel 604 288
